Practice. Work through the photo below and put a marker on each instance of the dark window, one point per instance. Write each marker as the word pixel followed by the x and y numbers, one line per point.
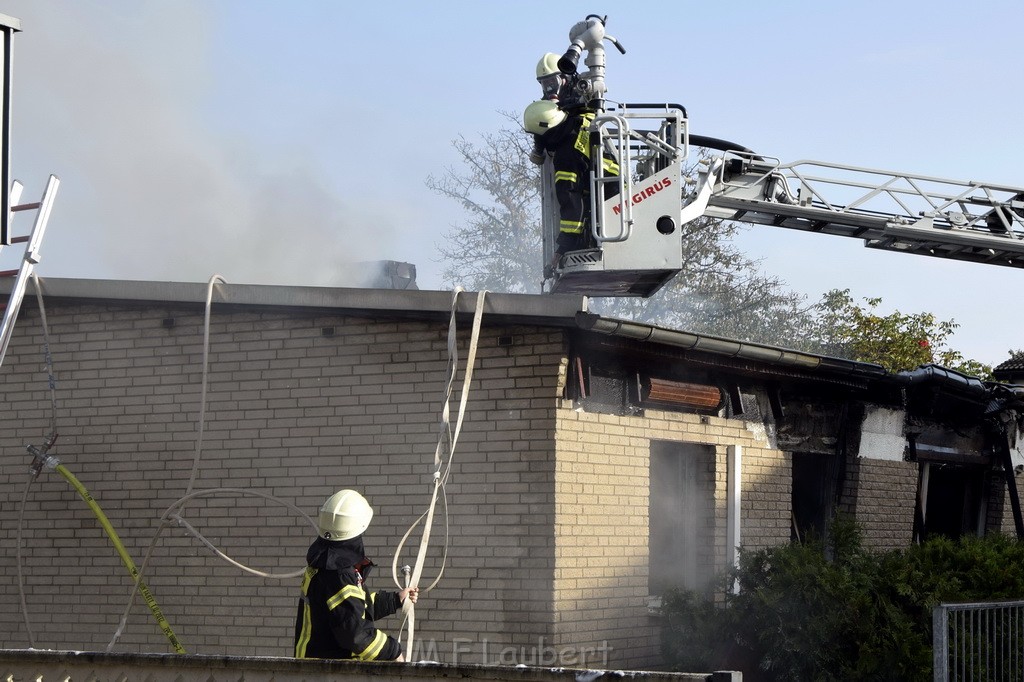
pixel 815 480
pixel 954 499
pixel 609 390
pixel 681 522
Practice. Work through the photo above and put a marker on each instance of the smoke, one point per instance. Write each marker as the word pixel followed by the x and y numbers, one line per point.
pixel 681 515
pixel 115 100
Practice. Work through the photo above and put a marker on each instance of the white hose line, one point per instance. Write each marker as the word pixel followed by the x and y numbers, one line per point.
pixel 52 383
pixel 135 587
pixel 21 579
pixel 51 379
pixel 447 440
pixel 172 514
pixel 175 511
pixel 202 391
pixel 195 461
pixel 444 429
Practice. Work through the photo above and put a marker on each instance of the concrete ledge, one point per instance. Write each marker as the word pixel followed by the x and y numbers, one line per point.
pixel 551 310
pixel 75 666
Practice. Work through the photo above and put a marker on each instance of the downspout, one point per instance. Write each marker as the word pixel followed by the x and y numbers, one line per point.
pixel 734 499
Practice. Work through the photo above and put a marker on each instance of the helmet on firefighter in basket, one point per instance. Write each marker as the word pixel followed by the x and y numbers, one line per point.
pixel 346 514
pixel 550 78
pixel 541 116
pixel 547 65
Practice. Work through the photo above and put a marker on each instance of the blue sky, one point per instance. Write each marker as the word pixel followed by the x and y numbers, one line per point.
pixel 273 142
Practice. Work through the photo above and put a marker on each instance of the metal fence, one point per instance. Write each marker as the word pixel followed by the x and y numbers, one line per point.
pixel 982 641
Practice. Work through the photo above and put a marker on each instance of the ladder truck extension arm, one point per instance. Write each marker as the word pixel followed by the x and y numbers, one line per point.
pixel 971 221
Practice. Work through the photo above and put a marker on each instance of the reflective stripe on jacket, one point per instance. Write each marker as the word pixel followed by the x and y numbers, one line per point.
pixel 336 617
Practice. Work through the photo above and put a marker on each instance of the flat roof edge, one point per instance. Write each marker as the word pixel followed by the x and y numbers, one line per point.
pixel 555 310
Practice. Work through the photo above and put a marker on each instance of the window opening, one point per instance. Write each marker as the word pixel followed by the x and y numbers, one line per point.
pixel 681 516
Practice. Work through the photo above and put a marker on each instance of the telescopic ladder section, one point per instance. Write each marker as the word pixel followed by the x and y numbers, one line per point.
pixel 30 258
pixel 969 221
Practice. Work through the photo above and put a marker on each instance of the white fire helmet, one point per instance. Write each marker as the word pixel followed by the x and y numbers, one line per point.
pixel 541 116
pixel 550 78
pixel 346 514
pixel 547 66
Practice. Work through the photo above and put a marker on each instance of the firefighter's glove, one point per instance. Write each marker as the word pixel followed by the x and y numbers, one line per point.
pixel 537 157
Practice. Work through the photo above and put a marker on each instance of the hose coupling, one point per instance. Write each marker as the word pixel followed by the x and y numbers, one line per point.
pixel 39 457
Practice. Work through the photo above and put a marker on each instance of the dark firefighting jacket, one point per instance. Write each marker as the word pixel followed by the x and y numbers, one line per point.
pixel 569 144
pixel 337 615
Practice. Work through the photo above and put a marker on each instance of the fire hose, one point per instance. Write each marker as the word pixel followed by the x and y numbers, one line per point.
pixel 443 457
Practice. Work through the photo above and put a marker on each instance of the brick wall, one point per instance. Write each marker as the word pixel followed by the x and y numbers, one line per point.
pixel 549 505
pixel 291 412
pixel 601 489
pixel 881 496
pixel 1004 523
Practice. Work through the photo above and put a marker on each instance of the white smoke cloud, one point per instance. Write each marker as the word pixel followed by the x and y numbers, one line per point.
pixel 110 98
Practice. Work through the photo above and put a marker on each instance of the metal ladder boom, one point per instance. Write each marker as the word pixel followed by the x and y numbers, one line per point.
pixel 30 258
pixel 969 221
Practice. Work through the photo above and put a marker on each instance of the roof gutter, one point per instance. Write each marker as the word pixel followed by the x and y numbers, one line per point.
pixel 948 378
pixel 719 346
pixel 999 397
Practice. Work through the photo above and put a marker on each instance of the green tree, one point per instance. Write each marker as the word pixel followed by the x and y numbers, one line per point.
pixel 897 341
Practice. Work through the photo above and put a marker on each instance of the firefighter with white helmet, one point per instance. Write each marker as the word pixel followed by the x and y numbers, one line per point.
pixel 561 126
pixel 337 615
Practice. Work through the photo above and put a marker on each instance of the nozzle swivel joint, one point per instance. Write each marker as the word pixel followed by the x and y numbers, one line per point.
pixel 40 458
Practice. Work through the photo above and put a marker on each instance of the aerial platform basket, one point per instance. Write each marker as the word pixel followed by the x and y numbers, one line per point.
pixel 636 232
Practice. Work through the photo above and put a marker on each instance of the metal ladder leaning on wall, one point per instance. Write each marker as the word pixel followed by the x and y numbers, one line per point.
pixel 31 257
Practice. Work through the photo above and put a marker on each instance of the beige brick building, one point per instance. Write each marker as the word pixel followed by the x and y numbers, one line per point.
pixel 600 463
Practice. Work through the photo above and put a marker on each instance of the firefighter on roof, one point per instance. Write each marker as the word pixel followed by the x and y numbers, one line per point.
pixel 337 614
pixel 561 126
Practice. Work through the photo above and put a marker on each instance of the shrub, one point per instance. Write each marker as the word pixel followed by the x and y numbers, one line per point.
pixel 836 612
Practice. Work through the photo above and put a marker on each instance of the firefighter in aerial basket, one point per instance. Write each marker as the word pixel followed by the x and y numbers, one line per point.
pixel 560 123
pixel 337 614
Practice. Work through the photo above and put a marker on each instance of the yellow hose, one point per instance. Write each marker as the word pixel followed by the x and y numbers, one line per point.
pixel 125 559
